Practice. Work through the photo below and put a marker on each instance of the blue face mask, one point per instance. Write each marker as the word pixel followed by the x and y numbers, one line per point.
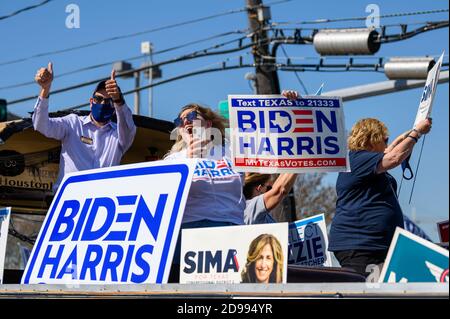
pixel 102 112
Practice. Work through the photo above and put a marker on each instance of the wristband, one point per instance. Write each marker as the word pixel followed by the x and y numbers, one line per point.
pixel 414 138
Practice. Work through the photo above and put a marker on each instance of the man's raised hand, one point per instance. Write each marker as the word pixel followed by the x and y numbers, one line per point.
pixel 112 88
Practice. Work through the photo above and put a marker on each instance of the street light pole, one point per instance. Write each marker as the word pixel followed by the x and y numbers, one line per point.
pixel 137 99
pixel 150 80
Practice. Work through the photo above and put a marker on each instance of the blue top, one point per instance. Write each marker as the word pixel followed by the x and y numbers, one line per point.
pixel 367 209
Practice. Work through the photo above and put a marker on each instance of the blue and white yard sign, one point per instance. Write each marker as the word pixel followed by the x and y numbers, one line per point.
pixel 5 214
pixel 414 259
pixel 272 134
pixel 308 242
pixel 427 98
pixel 112 225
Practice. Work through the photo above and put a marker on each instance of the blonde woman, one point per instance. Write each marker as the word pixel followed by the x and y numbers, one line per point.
pixel 367 208
pixel 264 261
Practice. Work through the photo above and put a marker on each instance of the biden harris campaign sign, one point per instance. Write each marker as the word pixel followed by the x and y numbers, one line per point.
pixel 112 225
pixel 414 259
pixel 234 254
pixel 272 134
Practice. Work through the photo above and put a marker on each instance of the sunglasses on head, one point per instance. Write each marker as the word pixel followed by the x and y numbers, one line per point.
pixel 101 100
pixel 191 116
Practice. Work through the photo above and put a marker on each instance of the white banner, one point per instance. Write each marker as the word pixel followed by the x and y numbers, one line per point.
pixel 5 214
pixel 112 225
pixel 426 101
pixel 235 254
pixel 272 134
pixel 308 242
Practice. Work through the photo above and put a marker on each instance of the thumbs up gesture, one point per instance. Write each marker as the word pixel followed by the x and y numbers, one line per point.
pixel 113 89
pixel 44 77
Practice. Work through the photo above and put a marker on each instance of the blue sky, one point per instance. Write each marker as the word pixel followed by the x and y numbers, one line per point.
pixel 43 29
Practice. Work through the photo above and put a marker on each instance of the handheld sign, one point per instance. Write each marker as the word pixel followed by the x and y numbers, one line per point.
pixel 426 101
pixel 414 259
pixel 272 134
pixel 5 213
pixel 112 225
pixel 308 242
pixel 234 254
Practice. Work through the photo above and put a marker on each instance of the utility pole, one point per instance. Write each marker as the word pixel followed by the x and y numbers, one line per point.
pixel 266 75
pixel 147 50
pixel 137 100
pixel 150 79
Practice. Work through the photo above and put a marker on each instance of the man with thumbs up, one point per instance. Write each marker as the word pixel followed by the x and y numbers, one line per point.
pixel 91 141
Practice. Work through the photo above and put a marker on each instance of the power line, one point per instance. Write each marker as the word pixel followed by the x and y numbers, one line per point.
pixel 279 66
pixel 166 27
pixel 383 39
pixel 91 44
pixel 406 35
pixel 175 78
pixel 273 3
pixel 296 74
pixel 353 57
pixel 24 9
pixel 320 67
pixel 296 39
pixel 393 15
pixel 96 66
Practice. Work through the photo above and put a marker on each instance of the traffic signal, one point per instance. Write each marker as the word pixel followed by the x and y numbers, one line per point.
pixel 408 68
pixel 3 110
pixel 346 41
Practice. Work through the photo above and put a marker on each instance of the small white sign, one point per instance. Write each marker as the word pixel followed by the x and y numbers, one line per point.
pixel 5 214
pixel 427 98
pixel 115 225
pixel 234 254
pixel 308 242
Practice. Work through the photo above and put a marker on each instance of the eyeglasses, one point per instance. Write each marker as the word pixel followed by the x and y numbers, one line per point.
pixel 386 140
pixel 190 117
pixel 101 100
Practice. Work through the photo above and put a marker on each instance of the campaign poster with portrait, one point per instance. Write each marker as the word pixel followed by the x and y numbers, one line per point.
pixel 235 254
